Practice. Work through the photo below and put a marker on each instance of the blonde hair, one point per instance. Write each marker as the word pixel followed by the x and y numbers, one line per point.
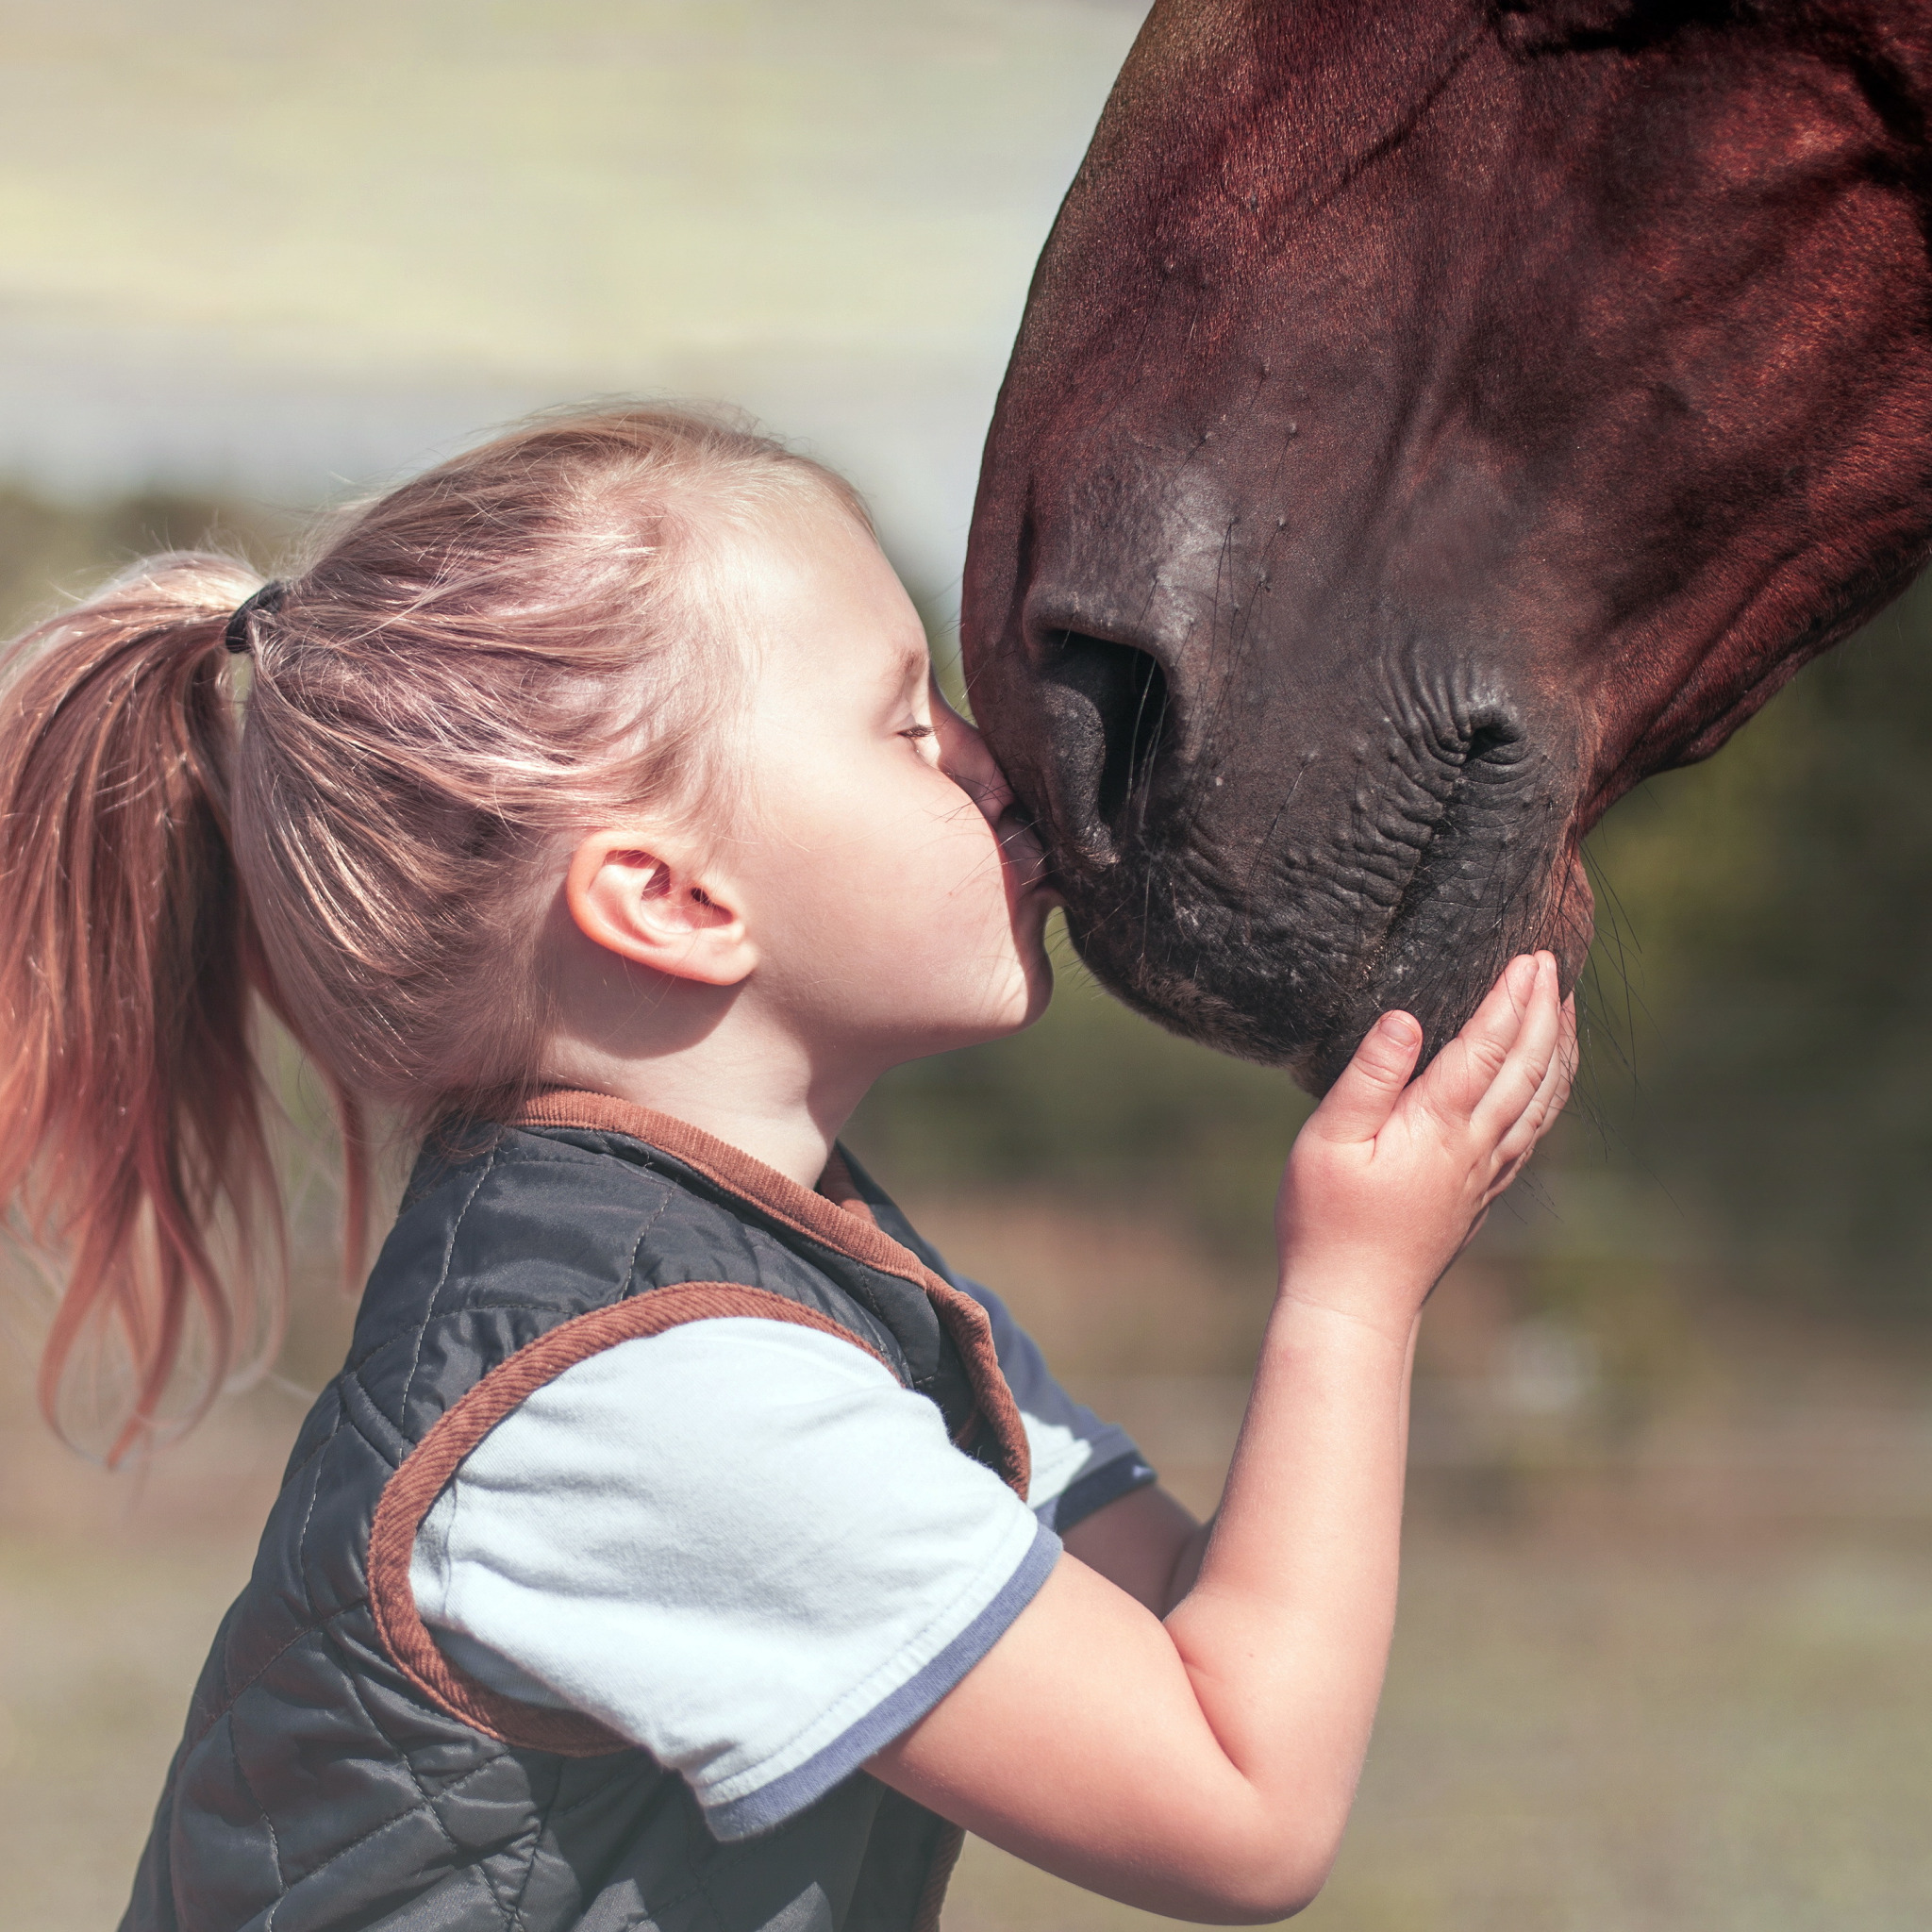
pixel 458 673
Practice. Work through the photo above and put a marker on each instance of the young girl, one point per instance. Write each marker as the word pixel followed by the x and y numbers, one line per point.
pixel 680 1545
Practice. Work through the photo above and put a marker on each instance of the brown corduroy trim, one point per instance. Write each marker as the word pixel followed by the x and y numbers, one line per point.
pixel 836 1185
pixel 411 1492
pixel 825 1221
pixel 932 1895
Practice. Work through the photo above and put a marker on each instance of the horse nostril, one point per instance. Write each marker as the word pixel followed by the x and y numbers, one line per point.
pixel 1121 693
pixel 1495 744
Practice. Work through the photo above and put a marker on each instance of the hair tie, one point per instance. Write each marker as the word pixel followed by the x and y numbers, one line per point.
pixel 265 601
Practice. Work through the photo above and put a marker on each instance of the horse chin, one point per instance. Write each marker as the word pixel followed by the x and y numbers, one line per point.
pixel 1275 993
pixel 1439 966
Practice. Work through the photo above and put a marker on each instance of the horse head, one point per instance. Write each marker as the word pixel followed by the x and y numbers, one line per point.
pixel 1430 417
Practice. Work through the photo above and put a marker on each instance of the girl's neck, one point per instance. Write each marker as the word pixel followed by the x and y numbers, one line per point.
pixel 766 1103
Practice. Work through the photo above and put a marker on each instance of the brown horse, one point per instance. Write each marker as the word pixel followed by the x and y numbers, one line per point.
pixel 1431 417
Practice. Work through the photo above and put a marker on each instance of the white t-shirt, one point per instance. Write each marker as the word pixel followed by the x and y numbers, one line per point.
pixel 743 1545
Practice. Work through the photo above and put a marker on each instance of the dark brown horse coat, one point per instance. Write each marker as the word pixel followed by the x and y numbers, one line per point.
pixel 1430 417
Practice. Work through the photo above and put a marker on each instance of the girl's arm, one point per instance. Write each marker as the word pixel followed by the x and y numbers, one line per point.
pixel 1204 1767
pixel 1146 1543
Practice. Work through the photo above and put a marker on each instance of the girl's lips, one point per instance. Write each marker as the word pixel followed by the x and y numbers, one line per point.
pixel 1026 857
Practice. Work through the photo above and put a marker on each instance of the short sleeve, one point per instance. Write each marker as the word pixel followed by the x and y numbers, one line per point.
pixel 1080 1464
pixel 741 1545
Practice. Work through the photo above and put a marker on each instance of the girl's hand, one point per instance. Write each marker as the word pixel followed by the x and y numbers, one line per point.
pixel 1389 1178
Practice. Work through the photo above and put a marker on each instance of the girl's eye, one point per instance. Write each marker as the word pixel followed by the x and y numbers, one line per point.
pixel 917 731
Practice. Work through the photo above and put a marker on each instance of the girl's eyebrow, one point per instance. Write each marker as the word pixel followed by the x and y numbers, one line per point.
pixel 915 667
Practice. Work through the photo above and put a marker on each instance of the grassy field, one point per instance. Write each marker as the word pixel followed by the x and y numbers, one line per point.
pixel 1674 1676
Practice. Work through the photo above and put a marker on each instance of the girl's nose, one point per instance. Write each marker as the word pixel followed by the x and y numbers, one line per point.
pixel 972 766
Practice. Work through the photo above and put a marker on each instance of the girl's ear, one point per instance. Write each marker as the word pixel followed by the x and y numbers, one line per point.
pixel 641 894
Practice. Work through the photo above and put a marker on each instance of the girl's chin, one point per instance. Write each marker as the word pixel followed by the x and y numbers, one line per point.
pixel 1028 911
pixel 1023 1001
pixel 1037 961
pixel 1035 992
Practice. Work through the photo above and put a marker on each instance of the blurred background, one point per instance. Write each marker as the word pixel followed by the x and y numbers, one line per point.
pixel 1665 1658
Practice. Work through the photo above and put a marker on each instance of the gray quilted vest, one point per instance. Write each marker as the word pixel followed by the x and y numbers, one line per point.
pixel 336 1770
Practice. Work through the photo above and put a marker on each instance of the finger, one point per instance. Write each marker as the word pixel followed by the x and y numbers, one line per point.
pixel 1464 1070
pixel 1504 1180
pixel 1532 1054
pixel 1359 1105
pixel 1546 1106
pixel 1553 1094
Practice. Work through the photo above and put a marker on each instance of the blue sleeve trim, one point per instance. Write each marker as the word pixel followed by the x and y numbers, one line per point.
pixel 1093 1491
pixel 785 1797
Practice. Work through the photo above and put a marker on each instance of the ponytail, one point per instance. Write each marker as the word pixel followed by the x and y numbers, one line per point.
pixel 132 1133
pixel 463 675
